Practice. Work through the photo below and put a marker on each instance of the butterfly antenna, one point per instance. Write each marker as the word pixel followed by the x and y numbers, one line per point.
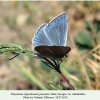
pixel 72 59
pixel 75 47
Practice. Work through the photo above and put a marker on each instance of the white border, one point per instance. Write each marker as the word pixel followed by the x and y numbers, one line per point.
pixel 45 95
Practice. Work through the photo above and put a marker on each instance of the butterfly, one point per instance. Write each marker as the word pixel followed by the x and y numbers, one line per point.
pixel 50 39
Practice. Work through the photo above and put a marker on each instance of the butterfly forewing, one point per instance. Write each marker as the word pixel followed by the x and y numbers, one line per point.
pixel 57 30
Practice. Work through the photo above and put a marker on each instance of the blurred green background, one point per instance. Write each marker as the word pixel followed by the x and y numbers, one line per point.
pixel 19 21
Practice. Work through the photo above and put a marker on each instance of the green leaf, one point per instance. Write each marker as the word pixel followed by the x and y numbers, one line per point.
pixel 51 85
pixel 96 27
pixel 84 39
pixel 87 26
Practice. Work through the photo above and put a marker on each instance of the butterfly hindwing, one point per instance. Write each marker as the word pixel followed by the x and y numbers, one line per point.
pixel 41 37
pixel 53 51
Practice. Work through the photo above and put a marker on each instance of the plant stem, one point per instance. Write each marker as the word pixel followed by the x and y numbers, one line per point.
pixel 56 67
pixel 63 76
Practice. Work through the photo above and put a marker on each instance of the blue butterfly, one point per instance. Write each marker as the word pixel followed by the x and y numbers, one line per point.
pixel 50 39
